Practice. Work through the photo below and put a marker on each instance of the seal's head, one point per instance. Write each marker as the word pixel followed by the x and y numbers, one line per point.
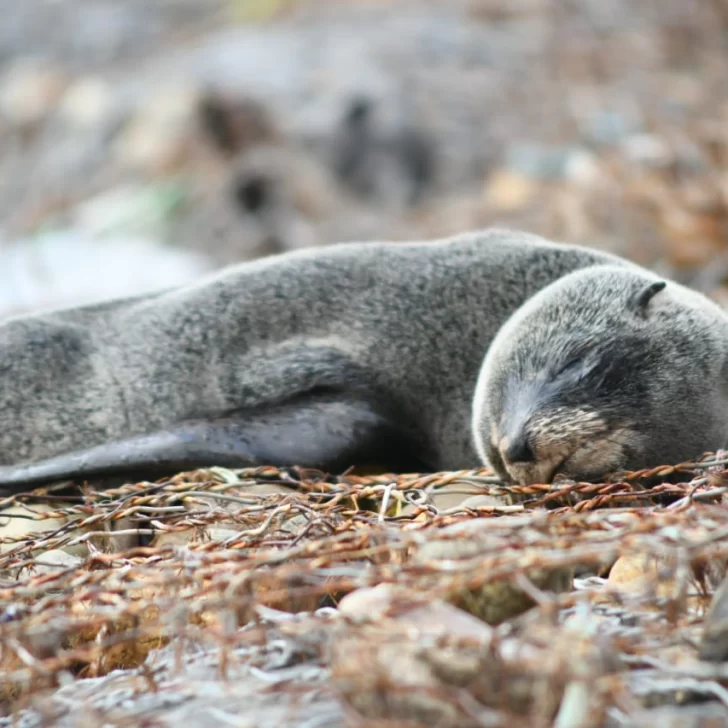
pixel 608 368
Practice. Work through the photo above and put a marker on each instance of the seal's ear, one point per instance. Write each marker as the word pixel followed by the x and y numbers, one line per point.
pixel 642 299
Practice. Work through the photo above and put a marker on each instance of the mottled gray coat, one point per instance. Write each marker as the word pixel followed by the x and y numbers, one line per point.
pixel 371 352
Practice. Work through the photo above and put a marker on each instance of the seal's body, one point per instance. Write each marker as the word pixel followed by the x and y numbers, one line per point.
pixel 372 352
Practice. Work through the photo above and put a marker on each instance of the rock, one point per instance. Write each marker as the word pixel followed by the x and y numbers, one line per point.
pixel 29 91
pixel 159 138
pixel 458 495
pixel 647 150
pixel 714 643
pixel 508 190
pixel 23 524
pixel 544 163
pixel 395 625
pixel 650 575
pixel 432 618
pixel 581 167
pixel 192 536
pixel 387 163
pixel 87 103
pixel 492 601
pixel 636 573
pixel 236 123
pixel 607 128
pixel 484 501
pixel 402 655
pixel 54 561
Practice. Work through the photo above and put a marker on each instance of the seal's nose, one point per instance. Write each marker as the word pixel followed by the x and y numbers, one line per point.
pixel 524 465
pixel 519 450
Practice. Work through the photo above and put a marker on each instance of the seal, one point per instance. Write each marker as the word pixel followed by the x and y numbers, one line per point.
pixel 493 347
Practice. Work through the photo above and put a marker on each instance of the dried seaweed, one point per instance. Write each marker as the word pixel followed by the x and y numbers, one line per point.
pixel 228 610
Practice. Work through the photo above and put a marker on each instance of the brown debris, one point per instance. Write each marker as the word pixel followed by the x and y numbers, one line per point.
pixel 243 564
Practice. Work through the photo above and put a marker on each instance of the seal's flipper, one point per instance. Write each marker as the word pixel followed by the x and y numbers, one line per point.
pixel 327 433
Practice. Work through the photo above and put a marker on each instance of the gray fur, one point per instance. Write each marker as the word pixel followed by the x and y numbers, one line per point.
pixel 324 357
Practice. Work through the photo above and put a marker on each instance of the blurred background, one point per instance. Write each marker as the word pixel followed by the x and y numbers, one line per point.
pixel 143 143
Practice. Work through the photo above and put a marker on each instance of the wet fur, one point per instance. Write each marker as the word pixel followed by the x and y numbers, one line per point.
pixel 370 353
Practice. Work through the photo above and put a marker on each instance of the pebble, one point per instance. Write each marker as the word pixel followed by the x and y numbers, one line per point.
pixel 607 128
pixel 492 601
pixel 29 91
pixel 545 163
pixel 509 190
pixel 648 150
pixel 157 139
pixel 430 617
pixel 87 103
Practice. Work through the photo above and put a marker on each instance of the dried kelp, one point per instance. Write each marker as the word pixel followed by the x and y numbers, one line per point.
pixel 213 596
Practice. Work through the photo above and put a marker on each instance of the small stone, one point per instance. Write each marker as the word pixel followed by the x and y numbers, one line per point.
pixel 634 572
pixel 24 524
pixel 19 522
pixel 87 103
pixel 581 167
pixel 714 643
pixel 492 601
pixel 484 501
pixel 430 617
pixel 158 139
pixel 607 128
pixel 643 574
pixel 55 561
pixel 29 91
pixel 507 190
pixel 648 150
pixel 536 162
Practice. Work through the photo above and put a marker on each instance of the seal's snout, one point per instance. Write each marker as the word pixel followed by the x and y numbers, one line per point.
pixel 531 459
pixel 566 441
pixel 518 449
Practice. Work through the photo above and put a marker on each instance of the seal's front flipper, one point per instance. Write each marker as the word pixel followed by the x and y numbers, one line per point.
pixel 326 433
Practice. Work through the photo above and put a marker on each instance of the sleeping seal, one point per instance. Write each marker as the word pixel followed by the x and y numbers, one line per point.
pixel 494 347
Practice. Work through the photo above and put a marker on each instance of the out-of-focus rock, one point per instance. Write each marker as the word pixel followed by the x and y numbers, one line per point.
pixel 405 656
pixel 492 600
pixel 54 561
pixel 507 190
pixel 647 150
pixel 159 138
pixel 29 90
pixel 609 128
pixel 545 163
pixel 18 523
pixel 714 641
pixel 646 575
pixel 87 103
pixel 433 618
